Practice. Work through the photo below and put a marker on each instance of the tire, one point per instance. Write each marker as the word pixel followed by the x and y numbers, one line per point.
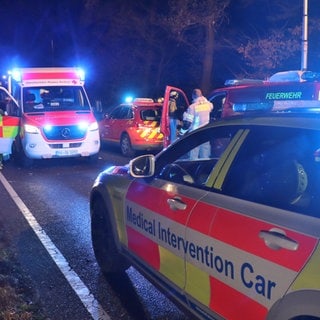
pixel 19 157
pixel 107 255
pixel 125 145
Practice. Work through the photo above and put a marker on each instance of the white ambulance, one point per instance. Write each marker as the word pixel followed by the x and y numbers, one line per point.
pixel 56 118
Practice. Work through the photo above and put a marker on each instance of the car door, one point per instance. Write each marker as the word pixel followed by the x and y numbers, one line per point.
pixel 260 237
pixel 156 215
pixel 157 211
pixel 115 123
pixel 182 105
pixel 107 123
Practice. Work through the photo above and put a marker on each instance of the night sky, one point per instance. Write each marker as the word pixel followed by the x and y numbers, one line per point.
pixel 65 33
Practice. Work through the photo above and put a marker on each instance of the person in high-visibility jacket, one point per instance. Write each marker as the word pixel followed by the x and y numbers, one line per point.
pixel 9 127
pixel 196 116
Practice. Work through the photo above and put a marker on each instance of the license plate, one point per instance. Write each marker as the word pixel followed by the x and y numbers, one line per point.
pixel 61 153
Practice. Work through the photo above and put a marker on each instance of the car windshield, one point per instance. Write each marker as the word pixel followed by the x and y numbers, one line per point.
pixel 54 98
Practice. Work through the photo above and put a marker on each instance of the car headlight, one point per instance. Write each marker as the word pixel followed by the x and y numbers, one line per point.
pixel 31 129
pixel 93 126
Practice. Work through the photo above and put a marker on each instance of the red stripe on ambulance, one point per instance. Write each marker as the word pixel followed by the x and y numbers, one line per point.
pixel 49 75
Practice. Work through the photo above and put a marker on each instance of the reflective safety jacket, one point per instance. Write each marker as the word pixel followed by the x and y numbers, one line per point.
pixel 198 112
pixel 9 127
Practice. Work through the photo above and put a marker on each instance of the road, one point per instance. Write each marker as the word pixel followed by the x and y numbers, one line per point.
pixel 46 212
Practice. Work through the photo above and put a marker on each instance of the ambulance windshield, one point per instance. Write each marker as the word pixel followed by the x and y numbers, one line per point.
pixel 54 98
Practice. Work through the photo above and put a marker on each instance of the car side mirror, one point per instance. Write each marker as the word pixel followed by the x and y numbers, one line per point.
pixel 143 166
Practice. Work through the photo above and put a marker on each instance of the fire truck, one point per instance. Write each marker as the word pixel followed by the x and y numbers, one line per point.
pixel 56 118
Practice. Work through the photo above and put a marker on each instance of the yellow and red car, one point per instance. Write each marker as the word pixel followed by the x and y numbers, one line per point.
pixel 232 236
pixel 134 126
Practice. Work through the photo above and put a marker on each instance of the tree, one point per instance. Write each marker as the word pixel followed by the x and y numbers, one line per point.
pixel 194 23
pixel 272 41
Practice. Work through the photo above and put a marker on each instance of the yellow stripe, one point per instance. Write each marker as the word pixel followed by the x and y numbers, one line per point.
pixel 218 167
pixel 172 267
pixel 198 284
pixel 309 277
pixel 153 133
pixel 143 134
pixel 10 131
pixel 225 168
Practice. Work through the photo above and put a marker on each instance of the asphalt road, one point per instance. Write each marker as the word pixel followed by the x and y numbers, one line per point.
pixel 48 206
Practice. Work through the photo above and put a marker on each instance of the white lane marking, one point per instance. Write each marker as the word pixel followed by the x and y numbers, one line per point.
pixel 90 303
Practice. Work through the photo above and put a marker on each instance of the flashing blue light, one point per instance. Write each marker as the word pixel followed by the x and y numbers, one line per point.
pixel 47 128
pixel 83 125
pixel 128 99
pixel 16 75
pixel 81 74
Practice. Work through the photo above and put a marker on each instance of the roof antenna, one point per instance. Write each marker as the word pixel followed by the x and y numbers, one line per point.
pixel 304 44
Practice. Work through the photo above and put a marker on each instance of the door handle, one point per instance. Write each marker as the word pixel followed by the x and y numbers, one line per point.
pixel 276 239
pixel 176 204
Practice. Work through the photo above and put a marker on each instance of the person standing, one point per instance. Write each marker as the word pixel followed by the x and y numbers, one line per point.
pixel 173 115
pixel 198 115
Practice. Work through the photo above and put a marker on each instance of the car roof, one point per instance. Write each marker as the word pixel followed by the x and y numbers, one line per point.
pixel 281 119
pixel 143 104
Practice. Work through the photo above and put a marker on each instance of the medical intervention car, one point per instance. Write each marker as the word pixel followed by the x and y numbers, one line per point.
pixel 231 236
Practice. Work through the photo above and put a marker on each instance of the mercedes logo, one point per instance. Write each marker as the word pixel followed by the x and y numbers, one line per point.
pixel 65 133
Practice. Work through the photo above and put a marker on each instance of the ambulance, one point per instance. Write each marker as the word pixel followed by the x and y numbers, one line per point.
pixel 56 118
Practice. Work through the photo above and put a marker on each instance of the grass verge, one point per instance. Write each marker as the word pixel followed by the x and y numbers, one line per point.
pixel 18 299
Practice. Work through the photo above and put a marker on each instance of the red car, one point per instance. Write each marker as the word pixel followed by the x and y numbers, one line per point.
pixel 134 126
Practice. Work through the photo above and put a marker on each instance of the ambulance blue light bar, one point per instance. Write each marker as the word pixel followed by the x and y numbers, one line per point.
pixel 15 74
pixel 81 74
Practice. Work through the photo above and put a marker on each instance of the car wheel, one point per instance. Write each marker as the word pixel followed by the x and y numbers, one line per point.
pixel 104 246
pixel 19 157
pixel 125 145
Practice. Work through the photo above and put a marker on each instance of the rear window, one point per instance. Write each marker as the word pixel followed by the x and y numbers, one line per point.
pixel 153 114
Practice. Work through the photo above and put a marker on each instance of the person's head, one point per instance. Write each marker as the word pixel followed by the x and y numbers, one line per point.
pixel 174 94
pixel 196 93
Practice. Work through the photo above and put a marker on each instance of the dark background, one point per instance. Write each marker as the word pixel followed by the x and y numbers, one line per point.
pixel 128 46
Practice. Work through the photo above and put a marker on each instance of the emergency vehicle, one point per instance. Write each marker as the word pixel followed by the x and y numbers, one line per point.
pixel 134 126
pixel 233 236
pixel 56 119
pixel 285 90
pixel 294 90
